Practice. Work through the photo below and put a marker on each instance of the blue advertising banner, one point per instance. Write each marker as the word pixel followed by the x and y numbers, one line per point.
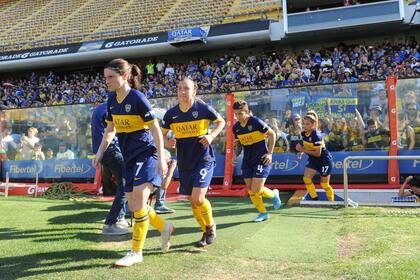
pixel 409 166
pixel 52 168
pixel 289 164
pixel 188 34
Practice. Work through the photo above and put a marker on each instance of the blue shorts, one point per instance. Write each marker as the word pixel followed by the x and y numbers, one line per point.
pixel 322 165
pixel 257 171
pixel 140 171
pixel 196 178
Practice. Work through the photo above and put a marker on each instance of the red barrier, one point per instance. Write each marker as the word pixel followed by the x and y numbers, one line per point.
pixel 393 170
pixel 227 181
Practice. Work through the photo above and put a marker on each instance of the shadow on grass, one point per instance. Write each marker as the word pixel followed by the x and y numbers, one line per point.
pixel 71 206
pixel 79 218
pixel 50 235
pixel 53 262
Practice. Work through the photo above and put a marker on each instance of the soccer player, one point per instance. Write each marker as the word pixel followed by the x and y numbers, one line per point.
pixel 130 115
pixel 112 164
pixel 320 159
pixel 250 133
pixel 189 121
pixel 413 184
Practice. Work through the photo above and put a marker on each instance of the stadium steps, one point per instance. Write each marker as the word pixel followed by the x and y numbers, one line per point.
pixel 233 8
pixel 107 24
pixel 64 21
pixel 14 15
pixel 244 10
pixel 166 16
pixel 191 13
pixel 136 19
pixel 29 30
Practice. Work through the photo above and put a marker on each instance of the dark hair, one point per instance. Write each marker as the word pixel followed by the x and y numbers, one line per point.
pixel 240 105
pixel 415 182
pixel 122 66
pixel 371 122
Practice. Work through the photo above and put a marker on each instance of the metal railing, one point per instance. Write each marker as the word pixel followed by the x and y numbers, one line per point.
pixel 346 163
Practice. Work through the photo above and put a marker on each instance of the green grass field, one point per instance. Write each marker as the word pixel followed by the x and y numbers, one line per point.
pixel 45 239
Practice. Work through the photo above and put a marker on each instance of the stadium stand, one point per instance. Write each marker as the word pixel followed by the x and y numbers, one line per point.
pixel 243 10
pixel 37 23
pixel 186 13
pixel 226 73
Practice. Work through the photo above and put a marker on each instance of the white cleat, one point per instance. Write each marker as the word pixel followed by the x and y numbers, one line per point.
pixel 131 258
pixel 166 237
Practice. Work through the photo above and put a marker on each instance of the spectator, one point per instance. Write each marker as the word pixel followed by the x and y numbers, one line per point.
pixel 49 154
pixel 38 154
pixel 406 135
pixel 413 182
pixel 376 137
pixel 64 153
pixel 27 144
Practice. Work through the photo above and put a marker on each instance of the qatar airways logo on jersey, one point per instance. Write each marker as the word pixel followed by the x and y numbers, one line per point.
pixel 187 128
pixel 132 42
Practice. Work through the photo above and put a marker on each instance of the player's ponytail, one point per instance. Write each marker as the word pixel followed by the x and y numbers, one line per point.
pixel 121 66
pixel 135 77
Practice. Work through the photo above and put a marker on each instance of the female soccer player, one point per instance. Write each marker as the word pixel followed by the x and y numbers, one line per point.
pixel 251 133
pixel 320 159
pixel 130 115
pixel 189 121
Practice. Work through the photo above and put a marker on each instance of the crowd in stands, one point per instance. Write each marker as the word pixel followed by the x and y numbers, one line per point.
pixel 65 134
pixel 226 73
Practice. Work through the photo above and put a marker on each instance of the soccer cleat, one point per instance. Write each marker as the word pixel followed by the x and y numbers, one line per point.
pixel 166 237
pixel 123 223
pixel 202 242
pixel 114 229
pixel 261 217
pixel 276 199
pixel 162 209
pixel 210 234
pixel 131 258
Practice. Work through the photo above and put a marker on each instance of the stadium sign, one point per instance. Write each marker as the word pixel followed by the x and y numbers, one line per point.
pixel 52 168
pixel 39 53
pixel 189 34
pixel 132 41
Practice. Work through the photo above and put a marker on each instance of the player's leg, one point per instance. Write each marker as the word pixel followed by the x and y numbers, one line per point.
pixel 137 202
pixel 309 184
pixel 201 180
pixel 325 179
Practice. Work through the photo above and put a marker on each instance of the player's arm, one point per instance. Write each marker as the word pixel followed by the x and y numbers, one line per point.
pixel 109 135
pixel 158 139
pixel 271 137
pixel 168 143
pixel 403 191
pixel 169 174
pixel 207 139
pixel 316 152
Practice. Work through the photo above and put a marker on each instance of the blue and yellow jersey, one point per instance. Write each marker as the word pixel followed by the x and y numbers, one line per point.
pixel 313 141
pixel 131 117
pixel 252 138
pixel 188 127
